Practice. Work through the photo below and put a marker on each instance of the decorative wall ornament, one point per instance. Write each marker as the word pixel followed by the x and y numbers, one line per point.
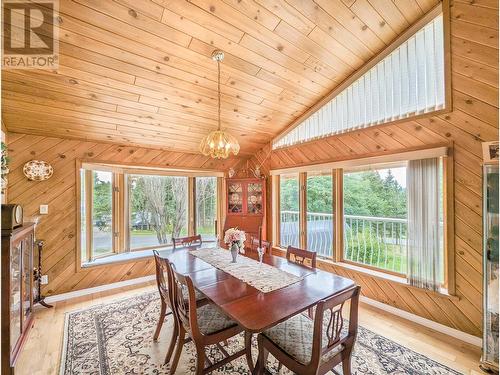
pixel 231 172
pixel 219 143
pixel 38 170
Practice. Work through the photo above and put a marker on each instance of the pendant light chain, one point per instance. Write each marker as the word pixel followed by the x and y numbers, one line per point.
pixel 219 144
pixel 218 91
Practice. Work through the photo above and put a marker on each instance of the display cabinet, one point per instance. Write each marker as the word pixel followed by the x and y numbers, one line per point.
pixel 17 291
pixel 489 361
pixel 246 205
pixel 245 197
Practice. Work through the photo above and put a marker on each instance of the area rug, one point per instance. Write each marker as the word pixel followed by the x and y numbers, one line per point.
pixel 116 339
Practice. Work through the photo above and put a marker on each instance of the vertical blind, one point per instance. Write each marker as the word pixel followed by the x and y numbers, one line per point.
pixel 407 82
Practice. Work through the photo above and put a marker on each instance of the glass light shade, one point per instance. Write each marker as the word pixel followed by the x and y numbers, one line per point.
pixel 219 144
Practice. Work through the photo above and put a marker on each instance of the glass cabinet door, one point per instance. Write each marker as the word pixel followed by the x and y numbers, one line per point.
pixel 27 276
pixel 491 247
pixel 15 293
pixel 235 197
pixel 254 198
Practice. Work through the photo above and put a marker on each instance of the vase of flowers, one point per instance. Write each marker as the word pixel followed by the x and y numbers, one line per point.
pixel 235 238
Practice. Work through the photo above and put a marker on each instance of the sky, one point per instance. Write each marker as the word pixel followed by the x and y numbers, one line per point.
pixel 398 173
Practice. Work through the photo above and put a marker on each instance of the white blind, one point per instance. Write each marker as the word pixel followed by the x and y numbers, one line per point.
pixel 407 82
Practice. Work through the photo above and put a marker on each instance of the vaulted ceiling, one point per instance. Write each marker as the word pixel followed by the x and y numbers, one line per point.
pixel 139 72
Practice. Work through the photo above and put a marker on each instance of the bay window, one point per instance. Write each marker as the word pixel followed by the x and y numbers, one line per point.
pixel 132 210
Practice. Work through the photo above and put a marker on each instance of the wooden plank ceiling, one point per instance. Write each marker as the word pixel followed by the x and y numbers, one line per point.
pixel 139 72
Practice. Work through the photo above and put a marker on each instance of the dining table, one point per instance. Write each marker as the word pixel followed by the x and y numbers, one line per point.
pixel 250 307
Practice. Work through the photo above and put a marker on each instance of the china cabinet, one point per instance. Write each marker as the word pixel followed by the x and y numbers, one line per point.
pixel 246 205
pixel 17 291
pixel 489 360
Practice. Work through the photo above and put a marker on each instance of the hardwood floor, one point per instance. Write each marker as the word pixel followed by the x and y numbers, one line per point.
pixel 41 354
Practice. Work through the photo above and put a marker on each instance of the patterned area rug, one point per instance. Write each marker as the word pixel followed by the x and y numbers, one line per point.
pixel 116 339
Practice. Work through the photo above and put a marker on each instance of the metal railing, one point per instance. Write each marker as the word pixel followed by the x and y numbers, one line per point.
pixel 375 241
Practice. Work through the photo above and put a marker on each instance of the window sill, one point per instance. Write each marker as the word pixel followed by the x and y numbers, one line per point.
pixel 121 258
pixel 388 277
pixel 129 257
pixel 377 274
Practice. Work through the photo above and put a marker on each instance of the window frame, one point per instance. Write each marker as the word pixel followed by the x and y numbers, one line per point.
pixel 338 211
pixel 120 207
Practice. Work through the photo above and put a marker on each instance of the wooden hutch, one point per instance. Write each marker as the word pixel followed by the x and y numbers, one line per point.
pixel 246 205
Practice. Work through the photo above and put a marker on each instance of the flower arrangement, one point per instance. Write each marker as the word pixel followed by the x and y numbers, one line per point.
pixel 235 236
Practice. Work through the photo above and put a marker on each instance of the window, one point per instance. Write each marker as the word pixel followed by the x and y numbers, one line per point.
pixel 320 213
pixel 102 213
pixel 393 214
pixel 375 217
pixel 132 209
pixel 289 210
pixel 377 204
pixel 97 205
pixel 407 82
pixel 158 210
pixel 206 207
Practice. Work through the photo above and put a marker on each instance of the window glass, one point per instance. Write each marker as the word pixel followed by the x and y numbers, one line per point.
pixel 320 213
pixel 158 210
pixel 254 198
pixel 375 218
pixel 206 207
pixel 102 213
pixel 289 210
pixel 83 217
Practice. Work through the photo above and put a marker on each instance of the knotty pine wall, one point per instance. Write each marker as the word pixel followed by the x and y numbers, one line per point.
pixel 474 119
pixel 58 228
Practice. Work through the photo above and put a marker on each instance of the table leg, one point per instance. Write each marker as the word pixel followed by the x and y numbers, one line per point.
pixel 248 350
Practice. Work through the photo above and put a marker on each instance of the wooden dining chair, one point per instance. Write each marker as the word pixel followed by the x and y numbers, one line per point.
pixel 309 347
pixel 162 284
pixel 163 280
pixel 301 256
pixel 187 241
pixel 254 244
pixel 206 325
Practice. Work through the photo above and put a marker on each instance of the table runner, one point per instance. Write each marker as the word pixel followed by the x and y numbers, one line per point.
pixel 263 277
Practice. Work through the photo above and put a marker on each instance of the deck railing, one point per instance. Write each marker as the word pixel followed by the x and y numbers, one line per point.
pixel 375 241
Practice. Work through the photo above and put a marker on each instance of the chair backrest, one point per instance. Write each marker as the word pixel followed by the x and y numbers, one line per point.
pixel 187 241
pixel 182 286
pixel 329 323
pixel 161 267
pixel 300 256
pixel 254 244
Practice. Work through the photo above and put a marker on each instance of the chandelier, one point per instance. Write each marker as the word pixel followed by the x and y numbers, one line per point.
pixel 219 144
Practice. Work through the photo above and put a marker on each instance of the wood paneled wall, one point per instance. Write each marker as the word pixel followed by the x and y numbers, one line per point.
pixel 474 119
pixel 58 228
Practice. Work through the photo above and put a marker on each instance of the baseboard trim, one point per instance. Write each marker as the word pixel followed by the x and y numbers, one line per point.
pixel 466 337
pixel 96 289
pixel 470 339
